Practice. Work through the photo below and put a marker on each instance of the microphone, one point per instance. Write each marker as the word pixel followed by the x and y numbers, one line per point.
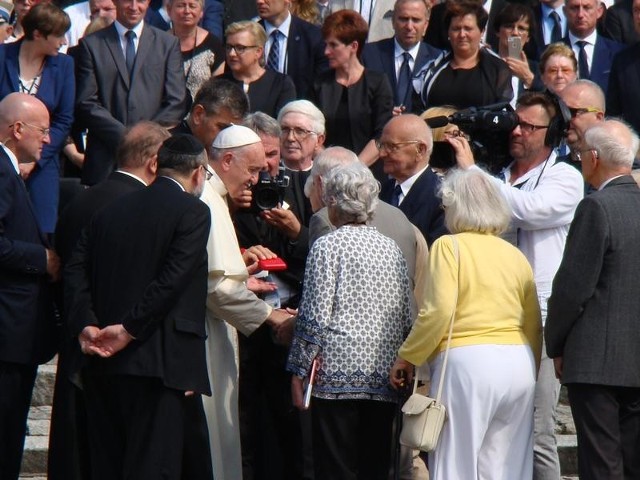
pixel 437 122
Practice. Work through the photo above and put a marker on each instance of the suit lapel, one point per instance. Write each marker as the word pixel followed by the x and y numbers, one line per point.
pixel 113 45
pixel 388 63
pixel 49 75
pixel 144 47
pixel 12 63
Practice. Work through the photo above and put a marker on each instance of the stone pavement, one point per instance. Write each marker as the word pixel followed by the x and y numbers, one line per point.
pixel 34 463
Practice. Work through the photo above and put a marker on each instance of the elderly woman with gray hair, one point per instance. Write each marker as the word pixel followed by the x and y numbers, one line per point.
pixel 495 348
pixel 354 314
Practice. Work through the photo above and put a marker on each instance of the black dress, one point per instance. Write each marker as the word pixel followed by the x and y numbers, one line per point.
pixel 269 93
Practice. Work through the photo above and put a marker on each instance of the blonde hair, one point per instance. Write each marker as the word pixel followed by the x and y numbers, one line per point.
pixel 443 111
pixel 560 49
pixel 254 28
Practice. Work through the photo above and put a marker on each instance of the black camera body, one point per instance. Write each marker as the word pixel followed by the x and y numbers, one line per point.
pixel 269 191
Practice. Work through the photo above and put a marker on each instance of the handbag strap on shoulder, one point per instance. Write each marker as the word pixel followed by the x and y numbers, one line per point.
pixel 456 253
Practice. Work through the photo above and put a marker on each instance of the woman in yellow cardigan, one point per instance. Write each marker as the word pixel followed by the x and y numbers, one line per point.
pixel 495 346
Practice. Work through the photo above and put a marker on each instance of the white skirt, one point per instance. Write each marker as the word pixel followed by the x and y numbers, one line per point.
pixel 488 392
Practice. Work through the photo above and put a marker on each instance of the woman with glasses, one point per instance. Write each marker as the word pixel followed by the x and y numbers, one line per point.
pixel 517 20
pixel 470 75
pixel 268 90
pixel 202 52
pixel 558 67
pixel 33 65
pixel 356 102
pixel 489 382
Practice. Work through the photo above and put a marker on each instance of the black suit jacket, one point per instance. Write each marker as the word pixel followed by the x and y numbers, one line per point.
pixel 26 308
pixel 623 94
pixel 422 206
pixel 618 23
pixel 592 319
pixel 438 36
pixel 107 100
pixel 305 55
pixel 142 263
pixel 380 57
pixel 85 204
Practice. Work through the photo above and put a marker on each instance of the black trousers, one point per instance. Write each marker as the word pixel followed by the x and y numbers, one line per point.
pixel 607 423
pixel 16 386
pixel 352 439
pixel 136 428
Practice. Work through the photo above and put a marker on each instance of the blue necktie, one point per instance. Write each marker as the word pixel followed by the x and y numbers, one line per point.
pixel 583 63
pixel 395 197
pixel 556 32
pixel 130 52
pixel 403 97
pixel 273 60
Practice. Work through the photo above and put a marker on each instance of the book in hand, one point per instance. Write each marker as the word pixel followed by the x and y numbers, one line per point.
pixel 310 381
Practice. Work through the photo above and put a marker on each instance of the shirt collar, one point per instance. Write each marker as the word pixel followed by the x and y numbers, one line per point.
pixel 12 157
pixel 175 181
pixel 399 50
pixel 590 39
pixel 135 176
pixel 608 181
pixel 284 26
pixel 408 183
pixel 121 29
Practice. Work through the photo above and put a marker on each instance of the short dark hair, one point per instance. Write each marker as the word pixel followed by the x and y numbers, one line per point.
pixel 347 26
pixel 47 19
pixel 217 93
pixel 460 8
pixel 529 99
pixel 513 12
pixel 141 140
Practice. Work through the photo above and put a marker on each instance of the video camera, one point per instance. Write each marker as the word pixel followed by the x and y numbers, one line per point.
pixel 269 191
pixel 489 129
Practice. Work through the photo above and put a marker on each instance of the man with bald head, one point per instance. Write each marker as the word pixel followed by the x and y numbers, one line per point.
pixel 27 266
pixel 592 329
pixel 586 103
pixel 405 148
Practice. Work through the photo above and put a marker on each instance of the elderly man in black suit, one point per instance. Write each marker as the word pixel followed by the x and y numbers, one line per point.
pixel 137 165
pixel 137 304
pixel 127 72
pixel 293 47
pixel 389 56
pixel 405 146
pixel 592 325
pixel 27 264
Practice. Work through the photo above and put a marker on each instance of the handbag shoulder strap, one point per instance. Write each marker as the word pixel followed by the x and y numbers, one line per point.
pixel 456 254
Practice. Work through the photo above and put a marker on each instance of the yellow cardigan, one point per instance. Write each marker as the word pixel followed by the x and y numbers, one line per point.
pixel 497 300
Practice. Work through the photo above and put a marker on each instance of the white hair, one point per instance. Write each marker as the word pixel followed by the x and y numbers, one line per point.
pixel 326 161
pixel 615 141
pixel 352 191
pixel 308 109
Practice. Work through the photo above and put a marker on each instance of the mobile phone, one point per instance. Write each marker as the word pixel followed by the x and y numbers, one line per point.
pixel 443 155
pixel 514 45
pixel 272 264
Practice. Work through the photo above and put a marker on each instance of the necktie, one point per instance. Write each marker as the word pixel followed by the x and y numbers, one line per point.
pixel 556 32
pixel 404 81
pixel 395 196
pixel 130 51
pixel 273 60
pixel 583 63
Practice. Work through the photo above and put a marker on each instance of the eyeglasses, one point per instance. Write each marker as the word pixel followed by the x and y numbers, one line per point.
pixel 239 49
pixel 576 112
pixel 298 133
pixel 391 147
pixel 529 127
pixel 593 151
pixel 207 173
pixel 43 131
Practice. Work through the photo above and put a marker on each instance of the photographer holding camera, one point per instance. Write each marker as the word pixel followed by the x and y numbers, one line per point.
pixel 543 195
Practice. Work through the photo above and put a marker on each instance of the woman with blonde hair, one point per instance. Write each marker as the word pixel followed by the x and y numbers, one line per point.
pixel 202 52
pixel 268 90
pixel 489 383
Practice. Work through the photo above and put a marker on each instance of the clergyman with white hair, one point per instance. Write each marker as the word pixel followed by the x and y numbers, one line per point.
pixel 592 329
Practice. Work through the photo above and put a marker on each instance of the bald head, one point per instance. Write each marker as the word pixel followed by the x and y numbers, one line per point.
pixel 587 101
pixel 24 126
pixel 405 146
